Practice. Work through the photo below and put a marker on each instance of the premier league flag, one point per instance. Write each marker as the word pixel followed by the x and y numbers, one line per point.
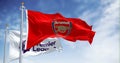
pixel 46 46
pixel 42 26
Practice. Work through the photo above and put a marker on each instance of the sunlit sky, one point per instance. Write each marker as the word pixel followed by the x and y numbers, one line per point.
pixel 103 15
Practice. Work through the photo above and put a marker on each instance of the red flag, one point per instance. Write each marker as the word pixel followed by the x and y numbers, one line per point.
pixel 42 26
pixel 81 30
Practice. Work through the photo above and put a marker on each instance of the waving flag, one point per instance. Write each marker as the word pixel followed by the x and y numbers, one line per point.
pixel 42 26
pixel 46 46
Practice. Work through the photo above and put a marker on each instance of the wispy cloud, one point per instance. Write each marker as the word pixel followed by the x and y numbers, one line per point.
pixel 105 46
pixel 1 61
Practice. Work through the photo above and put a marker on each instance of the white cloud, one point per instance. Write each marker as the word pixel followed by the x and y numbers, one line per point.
pixel 1 61
pixel 84 1
pixel 105 48
pixel 23 61
pixel 13 22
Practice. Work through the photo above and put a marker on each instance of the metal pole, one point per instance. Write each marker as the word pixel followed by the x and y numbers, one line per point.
pixel 4 60
pixel 21 31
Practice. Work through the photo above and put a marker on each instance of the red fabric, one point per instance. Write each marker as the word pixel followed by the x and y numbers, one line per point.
pixel 40 28
pixel 81 30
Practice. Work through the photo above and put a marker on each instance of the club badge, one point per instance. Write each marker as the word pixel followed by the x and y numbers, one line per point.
pixel 61 27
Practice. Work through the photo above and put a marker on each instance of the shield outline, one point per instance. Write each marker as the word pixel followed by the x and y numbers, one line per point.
pixel 69 27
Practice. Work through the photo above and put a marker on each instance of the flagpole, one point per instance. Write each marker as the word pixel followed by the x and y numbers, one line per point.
pixel 6 27
pixel 21 31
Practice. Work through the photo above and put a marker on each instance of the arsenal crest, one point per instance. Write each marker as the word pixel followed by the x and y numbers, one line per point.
pixel 62 27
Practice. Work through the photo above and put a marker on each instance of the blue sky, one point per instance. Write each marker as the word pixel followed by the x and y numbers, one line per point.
pixel 102 14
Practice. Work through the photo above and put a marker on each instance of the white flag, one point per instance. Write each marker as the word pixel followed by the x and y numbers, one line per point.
pixel 47 46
